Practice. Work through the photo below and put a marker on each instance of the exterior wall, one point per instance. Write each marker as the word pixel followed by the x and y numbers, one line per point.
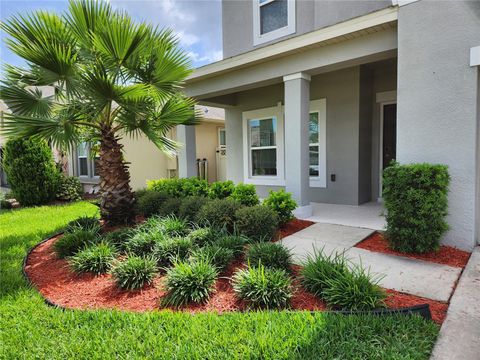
pixel 437 100
pixel 237 20
pixel 365 136
pixel 207 142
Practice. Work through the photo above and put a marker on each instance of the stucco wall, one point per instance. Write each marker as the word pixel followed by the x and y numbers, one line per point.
pixel 237 19
pixel 365 136
pixel 437 99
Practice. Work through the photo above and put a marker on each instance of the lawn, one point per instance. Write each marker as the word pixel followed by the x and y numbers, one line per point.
pixel 31 329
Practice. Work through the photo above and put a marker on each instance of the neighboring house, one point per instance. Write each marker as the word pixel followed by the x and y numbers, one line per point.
pixel 3 175
pixel 320 96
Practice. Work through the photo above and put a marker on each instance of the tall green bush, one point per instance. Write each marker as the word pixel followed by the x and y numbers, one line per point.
pixel 415 199
pixel 282 203
pixel 31 171
pixel 245 194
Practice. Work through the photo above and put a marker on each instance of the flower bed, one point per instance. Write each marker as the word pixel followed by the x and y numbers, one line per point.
pixel 447 255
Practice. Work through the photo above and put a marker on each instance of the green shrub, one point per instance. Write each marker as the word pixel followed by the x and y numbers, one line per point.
pixel 318 269
pixel 221 189
pixel 233 242
pixel 219 213
pixel 189 282
pixel 69 188
pixel 262 287
pixel 96 258
pixel 282 203
pixel 70 243
pixel 415 199
pixel 190 207
pixel 118 238
pixel 257 222
pixel 134 272
pixel 245 194
pixel 171 206
pixel 203 236
pixel 354 290
pixel 194 187
pixel 180 187
pixel 31 171
pixel 173 226
pixel 270 255
pixel 89 223
pixel 217 255
pixel 143 243
pixel 172 249
pixel 150 202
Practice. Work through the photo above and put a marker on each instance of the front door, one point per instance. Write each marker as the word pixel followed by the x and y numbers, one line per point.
pixel 389 147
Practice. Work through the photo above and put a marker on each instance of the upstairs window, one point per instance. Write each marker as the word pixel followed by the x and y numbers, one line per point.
pixel 272 19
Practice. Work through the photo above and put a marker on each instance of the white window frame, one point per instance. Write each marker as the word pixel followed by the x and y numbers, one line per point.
pixel 90 165
pixel 320 107
pixel 259 38
pixel 266 113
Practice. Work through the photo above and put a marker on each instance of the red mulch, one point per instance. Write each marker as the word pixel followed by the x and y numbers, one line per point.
pixel 292 227
pixel 447 255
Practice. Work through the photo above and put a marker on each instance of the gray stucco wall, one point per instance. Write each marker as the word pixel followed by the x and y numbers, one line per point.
pixel 365 136
pixel 437 100
pixel 237 19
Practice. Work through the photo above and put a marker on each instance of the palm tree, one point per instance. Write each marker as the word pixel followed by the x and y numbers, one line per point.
pixel 111 77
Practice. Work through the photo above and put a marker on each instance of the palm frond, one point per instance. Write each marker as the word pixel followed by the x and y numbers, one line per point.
pixel 23 101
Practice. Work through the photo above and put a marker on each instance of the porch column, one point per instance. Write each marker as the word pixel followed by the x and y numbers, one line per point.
pixel 233 132
pixel 187 154
pixel 297 104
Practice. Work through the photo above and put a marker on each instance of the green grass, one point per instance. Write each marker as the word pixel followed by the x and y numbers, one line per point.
pixel 29 329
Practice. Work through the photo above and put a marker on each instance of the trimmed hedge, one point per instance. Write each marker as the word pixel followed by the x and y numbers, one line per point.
pixel 257 222
pixel 190 207
pixel 415 197
pixel 221 189
pixel 149 202
pixel 218 213
pixel 180 187
pixel 245 194
pixel 282 203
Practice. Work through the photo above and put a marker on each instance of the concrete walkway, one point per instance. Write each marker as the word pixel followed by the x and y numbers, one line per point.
pixel 459 337
pixel 417 277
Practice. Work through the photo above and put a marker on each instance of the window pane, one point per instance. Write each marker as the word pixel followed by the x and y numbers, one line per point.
pixel 82 149
pixel 83 166
pixel 314 161
pixel 273 16
pixel 223 140
pixel 263 132
pixel 264 162
pixel 313 128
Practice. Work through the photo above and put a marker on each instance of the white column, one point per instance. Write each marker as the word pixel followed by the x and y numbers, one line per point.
pixel 233 132
pixel 297 103
pixel 187 155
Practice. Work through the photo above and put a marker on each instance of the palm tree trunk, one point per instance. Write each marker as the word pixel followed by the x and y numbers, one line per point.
pixel 117 197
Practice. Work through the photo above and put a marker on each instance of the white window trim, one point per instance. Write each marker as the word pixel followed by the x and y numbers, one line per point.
pixel 90 166
pixel 275 34
pixel 266 113
pixel 320 106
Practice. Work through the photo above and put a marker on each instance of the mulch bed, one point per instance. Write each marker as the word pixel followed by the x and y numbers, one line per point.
pixel 447 255
pixel 292 227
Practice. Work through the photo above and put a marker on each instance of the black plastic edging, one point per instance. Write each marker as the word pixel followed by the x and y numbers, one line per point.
pixel 422 310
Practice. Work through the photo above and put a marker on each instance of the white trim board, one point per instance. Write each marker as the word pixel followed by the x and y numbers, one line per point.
pixel 275 34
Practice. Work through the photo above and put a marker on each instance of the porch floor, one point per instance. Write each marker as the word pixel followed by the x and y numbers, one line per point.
pixel 367 215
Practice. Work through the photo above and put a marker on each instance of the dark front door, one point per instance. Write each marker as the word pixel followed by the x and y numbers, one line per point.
pixel 389 134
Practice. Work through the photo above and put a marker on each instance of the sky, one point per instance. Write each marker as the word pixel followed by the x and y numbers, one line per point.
pixel 198 23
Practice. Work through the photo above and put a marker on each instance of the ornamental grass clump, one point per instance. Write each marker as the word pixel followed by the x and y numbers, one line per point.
pixel 173 226
pixel 88 223
pixel 119 238
pixel 270 255
pixel 143 242
pixel 134 272
pixel 189 282
pixel 170 250
pixel 96 259
pixel 234 242
pixel 262 287
pixel 70 243
pixel 203 236
pixel 217 255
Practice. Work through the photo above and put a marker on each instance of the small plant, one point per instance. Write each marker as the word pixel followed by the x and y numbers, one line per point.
pixel 262 287
pixel 221 189
pixel 134 272
pixel 282 203
pixel 169 250
pixel 190 207
pixel 70 243
pixel 416 202
pixel 69 188
pixel 170 207
pixel 149 202
pixel 354 290
pixel 270 255
pixel 219 213
pixel 173 226
pixel 189 282
pixel 245 194
pixel 118 238
pixel 89 223
pixel 259 222
pixel 233 242
pixel 203 236
pixel 96 258
pixel 218 256
pixel 318 269
pixel 143 242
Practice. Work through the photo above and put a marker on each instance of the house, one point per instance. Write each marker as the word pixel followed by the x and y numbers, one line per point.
pixel 320 96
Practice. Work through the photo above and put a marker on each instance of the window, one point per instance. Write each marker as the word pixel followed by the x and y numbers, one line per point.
pixel 313 144
pixel 86 163
pixel 222 139
pixel 317 144
pixel 272 19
